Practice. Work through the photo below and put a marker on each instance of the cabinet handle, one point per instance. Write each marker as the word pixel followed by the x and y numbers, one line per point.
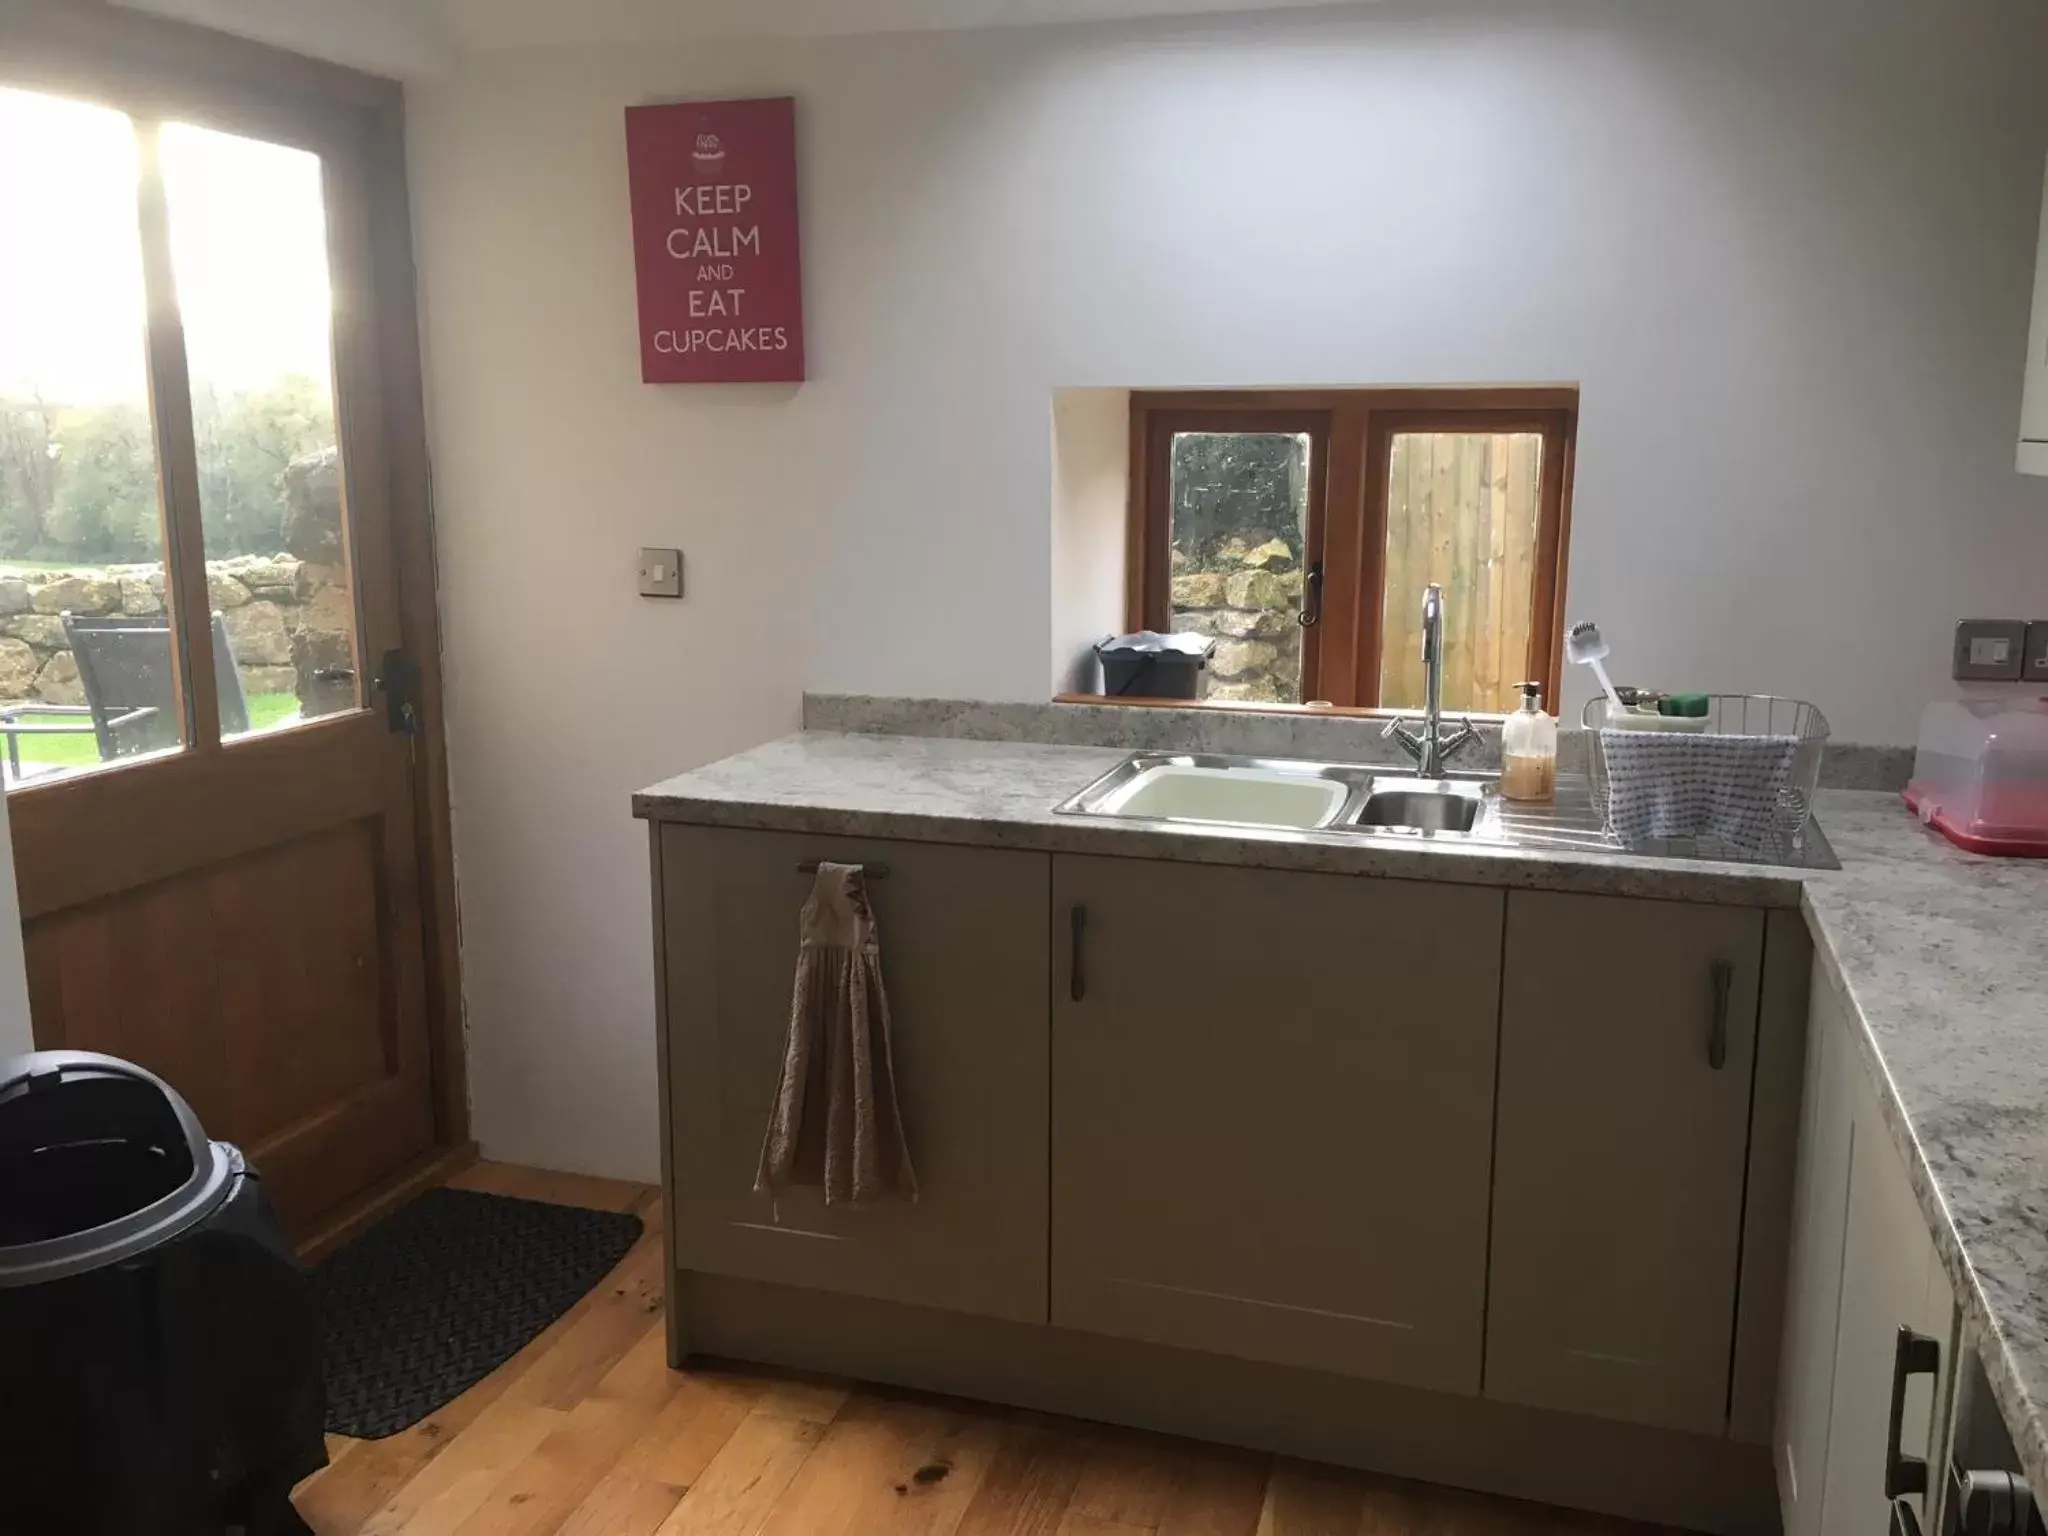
pixel 1913 1354
pixel 1077 985
pixel 1723 975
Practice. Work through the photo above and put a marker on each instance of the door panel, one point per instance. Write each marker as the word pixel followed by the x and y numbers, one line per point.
pixel 1272 1107
pixel 1819 1221
pixel 1617 1209
pixel 963 936
pixel 287 1036
pixel 1891 1278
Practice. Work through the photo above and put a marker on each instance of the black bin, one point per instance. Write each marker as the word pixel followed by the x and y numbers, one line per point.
pixel 158 1340
pixel 1149 665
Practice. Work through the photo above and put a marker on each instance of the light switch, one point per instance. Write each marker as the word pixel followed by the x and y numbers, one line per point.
pixel 661 573
pixel 1989 650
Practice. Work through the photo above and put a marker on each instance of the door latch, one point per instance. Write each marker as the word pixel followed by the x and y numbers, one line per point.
pixel 398 679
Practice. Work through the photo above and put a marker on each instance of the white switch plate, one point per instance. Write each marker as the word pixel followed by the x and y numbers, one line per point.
pixel 1989 650
pixel 661 573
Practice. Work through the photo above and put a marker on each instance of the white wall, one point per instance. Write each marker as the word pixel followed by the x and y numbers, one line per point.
pixel 1784 249
pixel 1091 488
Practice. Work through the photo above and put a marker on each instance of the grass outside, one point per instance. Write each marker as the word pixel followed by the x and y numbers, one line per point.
pixel 31 567
pixel 267 711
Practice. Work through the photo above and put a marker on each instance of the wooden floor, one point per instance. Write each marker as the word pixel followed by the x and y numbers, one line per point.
pixel 587 1432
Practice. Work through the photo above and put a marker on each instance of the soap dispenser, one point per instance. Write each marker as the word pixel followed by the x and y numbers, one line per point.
pixel 1528 750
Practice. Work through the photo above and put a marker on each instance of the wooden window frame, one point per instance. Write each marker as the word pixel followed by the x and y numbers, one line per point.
pixel 1351 433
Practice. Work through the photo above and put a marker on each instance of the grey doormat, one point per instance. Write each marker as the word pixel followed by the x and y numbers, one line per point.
pixel 438 1295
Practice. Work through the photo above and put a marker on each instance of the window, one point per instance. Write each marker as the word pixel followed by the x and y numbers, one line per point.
pixel 166 341
pixel 1300 529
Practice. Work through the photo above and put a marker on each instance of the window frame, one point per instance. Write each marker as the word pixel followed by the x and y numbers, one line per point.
pixel 1351 437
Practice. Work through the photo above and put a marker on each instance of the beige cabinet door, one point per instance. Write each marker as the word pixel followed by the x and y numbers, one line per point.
pixel 964 959
pixel 1891 1279
pixel 1628 1033
pixel 1272 1106
pixel 1820 1219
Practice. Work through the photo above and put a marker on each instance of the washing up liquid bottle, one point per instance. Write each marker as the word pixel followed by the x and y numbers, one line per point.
pixel 1528 750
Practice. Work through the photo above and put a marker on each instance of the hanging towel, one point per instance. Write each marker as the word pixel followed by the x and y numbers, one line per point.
pixel 836 1124
pixel 1734 788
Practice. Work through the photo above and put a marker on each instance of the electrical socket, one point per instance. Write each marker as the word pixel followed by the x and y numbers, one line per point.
pixel 2034 665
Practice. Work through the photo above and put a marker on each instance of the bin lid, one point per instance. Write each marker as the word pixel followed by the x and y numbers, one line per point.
pixel 100 1161
pixel 1149 642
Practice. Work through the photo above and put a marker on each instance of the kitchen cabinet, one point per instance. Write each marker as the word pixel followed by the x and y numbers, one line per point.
pixel 1628 1036
pixel 2034 406
pixel 964 939
pixel 1820 1222
pixel 1864 1268
pixel 1272 1106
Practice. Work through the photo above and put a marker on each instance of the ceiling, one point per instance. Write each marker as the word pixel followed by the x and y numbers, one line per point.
pixel 423 37
pixel 482 24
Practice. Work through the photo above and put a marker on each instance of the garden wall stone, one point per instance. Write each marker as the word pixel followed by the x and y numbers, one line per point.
pixel 285 618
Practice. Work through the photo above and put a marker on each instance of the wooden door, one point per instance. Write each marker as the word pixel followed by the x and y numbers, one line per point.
pixel 1272 1103
pixel 1623 1131
pixel 1891 1279
pixel 1820 1219
pixel 964 959
pixel 219 835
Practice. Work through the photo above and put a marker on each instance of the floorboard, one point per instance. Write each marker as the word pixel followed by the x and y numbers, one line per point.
pixel 585 1432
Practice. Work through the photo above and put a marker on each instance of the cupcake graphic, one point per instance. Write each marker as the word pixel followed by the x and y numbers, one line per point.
pixel 707 158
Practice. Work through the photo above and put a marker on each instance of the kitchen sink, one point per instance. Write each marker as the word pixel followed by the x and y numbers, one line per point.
pixel 1204 789
pixel 1242 792
pixel 1435 805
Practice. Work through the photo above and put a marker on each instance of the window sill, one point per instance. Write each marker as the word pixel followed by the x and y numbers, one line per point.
pixel 1266 707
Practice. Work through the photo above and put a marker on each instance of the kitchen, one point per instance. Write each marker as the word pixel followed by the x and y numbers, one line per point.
pixel 1759 279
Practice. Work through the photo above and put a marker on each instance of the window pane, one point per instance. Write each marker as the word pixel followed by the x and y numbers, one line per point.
pixel 1239 509
pixel 1462 511
pixel 249 246
pixel 82 631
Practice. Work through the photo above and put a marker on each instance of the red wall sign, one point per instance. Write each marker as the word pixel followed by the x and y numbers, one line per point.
pixel 714 241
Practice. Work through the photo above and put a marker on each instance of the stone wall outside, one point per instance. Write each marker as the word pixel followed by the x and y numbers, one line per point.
pixel 285 619
pixel 1249 599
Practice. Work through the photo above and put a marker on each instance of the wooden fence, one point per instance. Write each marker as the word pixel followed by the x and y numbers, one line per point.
pixel 1462 510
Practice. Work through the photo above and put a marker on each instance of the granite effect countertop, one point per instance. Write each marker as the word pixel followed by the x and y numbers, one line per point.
pixel 1940 956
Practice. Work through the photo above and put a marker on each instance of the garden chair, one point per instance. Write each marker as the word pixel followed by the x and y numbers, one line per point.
pixel 131 706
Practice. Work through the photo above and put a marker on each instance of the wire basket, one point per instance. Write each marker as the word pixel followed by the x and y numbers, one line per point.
pixel 1779 830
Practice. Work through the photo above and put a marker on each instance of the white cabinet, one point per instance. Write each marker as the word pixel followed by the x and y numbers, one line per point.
pixel 2034 409
pixel 1864 1268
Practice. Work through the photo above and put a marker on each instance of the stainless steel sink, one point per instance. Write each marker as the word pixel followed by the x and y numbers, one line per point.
pixel 1208 789
pixel 1282 796
pixel 1431 805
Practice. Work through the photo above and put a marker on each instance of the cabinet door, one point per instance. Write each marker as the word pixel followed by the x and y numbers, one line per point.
pixel 1820 1218
pixel 964 959
pixel 1628 1034
pixel 1272 1107
pixel 1891 1278
pixel 2034 410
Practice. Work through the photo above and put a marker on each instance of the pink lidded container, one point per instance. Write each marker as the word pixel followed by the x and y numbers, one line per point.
pixel 1980 776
